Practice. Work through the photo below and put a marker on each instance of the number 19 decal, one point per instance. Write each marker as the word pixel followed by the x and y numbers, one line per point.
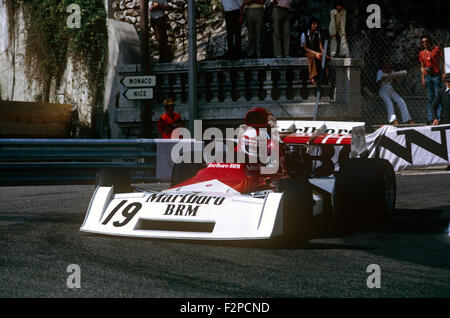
pixel 129 212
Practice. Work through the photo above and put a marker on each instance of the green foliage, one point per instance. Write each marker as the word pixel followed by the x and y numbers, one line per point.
pixel 50 42
pixel 205 8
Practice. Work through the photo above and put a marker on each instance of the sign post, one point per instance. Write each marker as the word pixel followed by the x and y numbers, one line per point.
pixel 192 63
pixel 146 109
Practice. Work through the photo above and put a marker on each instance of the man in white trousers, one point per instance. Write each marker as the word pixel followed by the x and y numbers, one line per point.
pixel 388 94
pixel 338 17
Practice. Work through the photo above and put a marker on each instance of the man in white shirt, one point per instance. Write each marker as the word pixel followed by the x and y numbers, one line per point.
pixel 158 22
pixel 281 27
pixel 233 18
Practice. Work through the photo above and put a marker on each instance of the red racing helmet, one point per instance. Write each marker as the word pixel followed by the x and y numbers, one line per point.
pixel 260 118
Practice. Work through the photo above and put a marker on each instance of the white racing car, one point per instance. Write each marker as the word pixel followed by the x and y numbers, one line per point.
pixel 234 201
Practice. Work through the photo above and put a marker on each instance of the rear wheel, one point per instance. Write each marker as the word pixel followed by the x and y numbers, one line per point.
pixel 118 178
pixel 297 209
pixel 364 193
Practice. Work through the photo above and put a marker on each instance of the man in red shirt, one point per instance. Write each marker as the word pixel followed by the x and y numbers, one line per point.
pixel 170 120
pixel 431 59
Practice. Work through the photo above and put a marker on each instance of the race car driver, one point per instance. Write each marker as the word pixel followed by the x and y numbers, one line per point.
pixel 259 134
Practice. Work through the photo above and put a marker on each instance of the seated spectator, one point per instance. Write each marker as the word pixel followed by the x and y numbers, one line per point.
pixel 311 43
pixel 170 120
pixel 388 94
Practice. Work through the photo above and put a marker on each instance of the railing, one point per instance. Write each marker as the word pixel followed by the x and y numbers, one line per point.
pixel 253 80
pixel 73 161
pixel 228 89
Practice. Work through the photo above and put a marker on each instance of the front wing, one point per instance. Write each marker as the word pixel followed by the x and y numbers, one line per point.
pixel 190 215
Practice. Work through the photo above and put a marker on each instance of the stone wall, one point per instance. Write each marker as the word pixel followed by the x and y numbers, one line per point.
pixel 16 84
pixel 210 32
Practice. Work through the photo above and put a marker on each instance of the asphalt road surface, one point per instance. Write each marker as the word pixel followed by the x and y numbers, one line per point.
pixel 40 238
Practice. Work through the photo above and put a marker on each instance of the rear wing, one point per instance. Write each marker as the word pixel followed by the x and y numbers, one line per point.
pixel 317 132
pixel 324 133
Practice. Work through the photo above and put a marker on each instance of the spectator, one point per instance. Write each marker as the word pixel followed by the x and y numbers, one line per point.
pixel 281 27
pixel 255 25
pixel 387 93
pixel 158 22
pixel 311 43
pixel 337 28
pixel 442 98
pixel 170 120
pixel 233 18
pixel 431 59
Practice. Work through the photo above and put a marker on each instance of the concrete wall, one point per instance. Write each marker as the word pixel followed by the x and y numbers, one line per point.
pixel 123 48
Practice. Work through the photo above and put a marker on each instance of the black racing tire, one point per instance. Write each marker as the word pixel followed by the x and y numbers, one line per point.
pixel 118 178
pixel 183 171
pixel 364 194
pixel 297 209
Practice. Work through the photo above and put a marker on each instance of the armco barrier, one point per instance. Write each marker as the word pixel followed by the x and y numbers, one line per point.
pixel 74 161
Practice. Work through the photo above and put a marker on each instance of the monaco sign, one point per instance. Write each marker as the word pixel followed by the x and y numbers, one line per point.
pixel 138 87
pixel 139 81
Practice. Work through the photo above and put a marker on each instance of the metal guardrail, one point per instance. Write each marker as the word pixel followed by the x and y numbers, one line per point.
pixel 74 161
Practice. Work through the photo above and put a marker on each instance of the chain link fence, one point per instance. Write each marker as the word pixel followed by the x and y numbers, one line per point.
pixel 402 50
pixel 397 40
pixel 403 24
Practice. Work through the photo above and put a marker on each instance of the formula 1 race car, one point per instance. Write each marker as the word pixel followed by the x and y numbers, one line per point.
pixel 322 173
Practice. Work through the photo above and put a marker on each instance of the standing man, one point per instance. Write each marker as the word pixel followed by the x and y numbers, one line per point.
pixel 337 28
pixel 442 98
pixel 170 120
pixel 158 22
pixel 431 64
pixel 389 95
pixel 281 27
pixel 311 42
pixel 255 25
pixel 234 17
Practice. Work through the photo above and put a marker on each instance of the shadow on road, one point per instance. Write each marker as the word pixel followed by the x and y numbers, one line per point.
pixel 419 221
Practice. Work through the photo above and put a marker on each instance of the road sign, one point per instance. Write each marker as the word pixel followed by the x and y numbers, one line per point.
pixel 139 93
pixel 139 81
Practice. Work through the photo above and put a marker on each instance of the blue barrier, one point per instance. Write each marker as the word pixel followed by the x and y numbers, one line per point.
pixel 74 161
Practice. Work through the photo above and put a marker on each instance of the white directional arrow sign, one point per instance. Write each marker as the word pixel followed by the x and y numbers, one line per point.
pixel 139 81
pixel 139 93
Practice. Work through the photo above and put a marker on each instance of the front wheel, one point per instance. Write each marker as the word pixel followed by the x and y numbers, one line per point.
pixel 118 178
pixel 364 193
pixel 297 209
